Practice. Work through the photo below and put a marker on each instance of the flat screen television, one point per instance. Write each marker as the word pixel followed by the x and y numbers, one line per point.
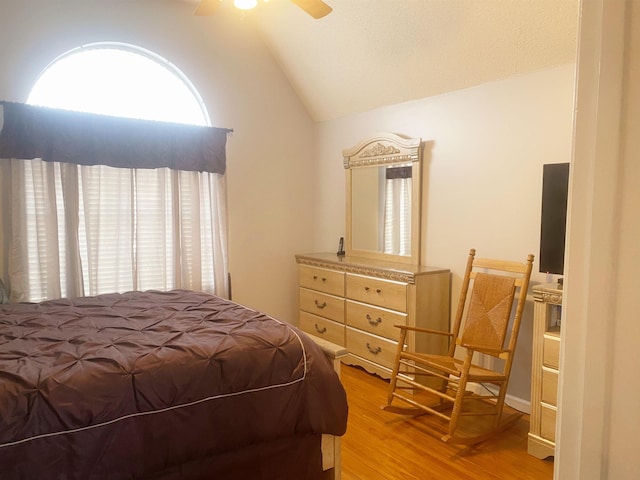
pixel 553 225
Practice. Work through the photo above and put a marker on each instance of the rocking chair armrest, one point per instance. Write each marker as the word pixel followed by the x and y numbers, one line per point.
pixel 424 330
pixel 490 351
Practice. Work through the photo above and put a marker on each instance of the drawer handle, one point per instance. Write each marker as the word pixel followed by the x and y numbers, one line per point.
pixel 315 277
pixel 375 351
pixel 378 291
pixel 320 305
pixel 372 322
pixel 320 329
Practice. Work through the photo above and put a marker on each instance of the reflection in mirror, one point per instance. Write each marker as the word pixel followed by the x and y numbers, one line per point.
pixel 383 198
pixel 397 210
pixel 381 209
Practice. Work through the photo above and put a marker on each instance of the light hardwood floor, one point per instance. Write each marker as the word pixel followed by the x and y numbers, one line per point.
pixel 382 446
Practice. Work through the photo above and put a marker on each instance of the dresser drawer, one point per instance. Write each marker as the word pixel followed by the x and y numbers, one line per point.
pixel 374 319
pixel 322 304
pixel 551 351
pixel 548 423
pixel 321 279
pixel 321 327
pixel 383 293
pixel 549 386
pixel 376 349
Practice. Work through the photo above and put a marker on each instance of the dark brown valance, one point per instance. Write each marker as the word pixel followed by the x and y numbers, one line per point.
pixel 89 139
pixel 398 172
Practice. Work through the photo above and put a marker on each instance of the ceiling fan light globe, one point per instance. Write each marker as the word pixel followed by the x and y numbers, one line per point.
pixel 245 4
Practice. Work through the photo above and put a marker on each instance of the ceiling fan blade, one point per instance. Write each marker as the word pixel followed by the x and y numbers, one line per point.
pixel 208 7
pixel 315 8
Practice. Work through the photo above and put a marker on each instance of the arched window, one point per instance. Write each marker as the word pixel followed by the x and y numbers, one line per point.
pixel 98 229
pixel 120 80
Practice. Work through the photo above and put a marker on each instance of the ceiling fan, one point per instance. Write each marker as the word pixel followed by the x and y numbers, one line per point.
pixel 315 8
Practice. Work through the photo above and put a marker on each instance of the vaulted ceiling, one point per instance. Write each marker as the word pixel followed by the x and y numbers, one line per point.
pixel 371 53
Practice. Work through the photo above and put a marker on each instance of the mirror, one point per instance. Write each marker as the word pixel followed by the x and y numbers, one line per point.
pixel 383 178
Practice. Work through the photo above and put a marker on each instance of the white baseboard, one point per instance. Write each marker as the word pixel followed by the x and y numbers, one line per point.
pixel 519 404
pixel 516 403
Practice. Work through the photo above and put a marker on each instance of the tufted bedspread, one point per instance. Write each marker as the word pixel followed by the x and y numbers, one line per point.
pixel 128 385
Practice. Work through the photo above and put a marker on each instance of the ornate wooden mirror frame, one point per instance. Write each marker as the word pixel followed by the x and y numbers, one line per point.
pixel 368 166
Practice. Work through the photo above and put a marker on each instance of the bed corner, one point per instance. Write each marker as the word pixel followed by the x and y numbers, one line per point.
pixel 331 444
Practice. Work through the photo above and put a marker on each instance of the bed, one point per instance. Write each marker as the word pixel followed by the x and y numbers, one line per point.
pixel 164 385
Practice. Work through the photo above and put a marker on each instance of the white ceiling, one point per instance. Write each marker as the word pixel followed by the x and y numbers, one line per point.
pixel 371 53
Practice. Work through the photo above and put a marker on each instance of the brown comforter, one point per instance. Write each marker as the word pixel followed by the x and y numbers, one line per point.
pixel 128 385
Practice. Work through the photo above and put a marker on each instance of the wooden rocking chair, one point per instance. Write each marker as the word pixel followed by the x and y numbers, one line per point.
pixel 452 387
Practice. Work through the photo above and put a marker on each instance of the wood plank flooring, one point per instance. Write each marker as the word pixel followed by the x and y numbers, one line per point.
pixel 382 446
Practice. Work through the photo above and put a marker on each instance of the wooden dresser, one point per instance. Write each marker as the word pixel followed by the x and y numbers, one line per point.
pixel 356 301
pixel 545 369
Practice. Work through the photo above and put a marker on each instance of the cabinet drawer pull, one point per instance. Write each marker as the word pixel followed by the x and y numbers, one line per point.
pixel 320 305
pixel 320 329
pixel 375 351
pixel 372 322
pixel 368 289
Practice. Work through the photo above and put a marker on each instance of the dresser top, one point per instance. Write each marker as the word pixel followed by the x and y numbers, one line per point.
pixel 554 288
pixel 548 293
pixel 350 263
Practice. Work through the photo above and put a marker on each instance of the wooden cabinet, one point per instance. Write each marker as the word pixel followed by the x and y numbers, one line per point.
pixel 355 302
pixel 545 369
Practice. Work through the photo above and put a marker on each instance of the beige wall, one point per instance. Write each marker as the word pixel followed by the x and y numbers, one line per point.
pixel 270 191
pixel 482 176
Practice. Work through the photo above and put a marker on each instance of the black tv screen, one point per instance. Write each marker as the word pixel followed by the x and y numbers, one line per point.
pixel 553 225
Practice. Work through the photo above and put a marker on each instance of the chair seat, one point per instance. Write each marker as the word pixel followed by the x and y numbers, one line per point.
pixel 453 366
